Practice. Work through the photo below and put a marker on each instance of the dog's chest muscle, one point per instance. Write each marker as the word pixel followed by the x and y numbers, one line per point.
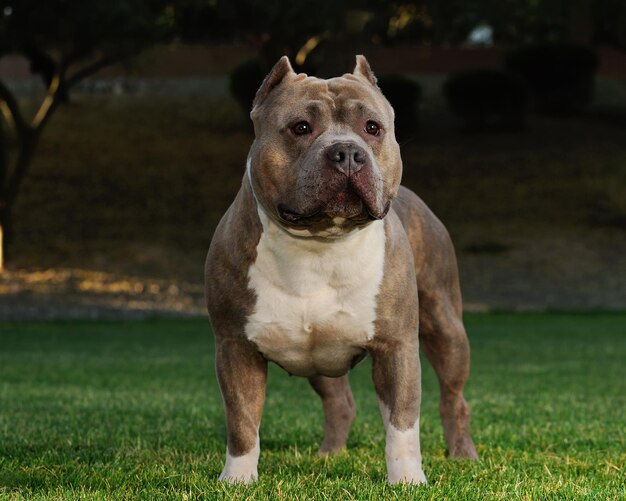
pixel 316 301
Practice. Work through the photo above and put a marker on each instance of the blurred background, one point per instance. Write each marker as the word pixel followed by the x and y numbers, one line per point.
pixel 125 129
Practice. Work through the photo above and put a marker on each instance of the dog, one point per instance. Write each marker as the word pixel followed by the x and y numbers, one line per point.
pixel 322 259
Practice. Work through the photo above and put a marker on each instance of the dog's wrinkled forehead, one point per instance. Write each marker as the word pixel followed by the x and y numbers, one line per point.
pixel 344 99
pixel 287 96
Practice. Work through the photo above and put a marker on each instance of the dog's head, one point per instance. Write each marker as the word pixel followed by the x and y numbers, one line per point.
pixel 325 160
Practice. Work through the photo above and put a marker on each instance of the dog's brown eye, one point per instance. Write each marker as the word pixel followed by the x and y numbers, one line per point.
pixel 372 128
pixel 301 128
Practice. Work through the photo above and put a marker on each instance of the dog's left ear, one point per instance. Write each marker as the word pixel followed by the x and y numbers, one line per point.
pixel 362 69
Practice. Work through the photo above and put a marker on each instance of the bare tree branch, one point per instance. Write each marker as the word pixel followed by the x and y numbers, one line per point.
pixel 51 101
pixel 11 110
pixel 24 156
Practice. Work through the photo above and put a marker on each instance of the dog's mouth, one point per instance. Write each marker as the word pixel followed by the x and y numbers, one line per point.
pixel 346 205
pixel 337 206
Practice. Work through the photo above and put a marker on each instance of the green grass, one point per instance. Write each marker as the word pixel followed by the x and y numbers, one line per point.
pixel 131 410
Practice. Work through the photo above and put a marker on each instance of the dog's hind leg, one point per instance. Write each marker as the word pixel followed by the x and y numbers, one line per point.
pixel 339 411
pixel 444 341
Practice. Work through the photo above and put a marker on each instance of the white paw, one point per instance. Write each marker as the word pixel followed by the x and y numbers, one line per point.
pixel 408 474
pixel 232 477
pixel 241 469
pixel 402 452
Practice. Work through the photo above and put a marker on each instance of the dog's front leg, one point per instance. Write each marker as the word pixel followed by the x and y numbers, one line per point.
pixel 242 375
pixel 396 375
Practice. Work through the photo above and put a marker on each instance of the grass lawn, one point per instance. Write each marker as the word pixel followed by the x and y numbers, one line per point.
pixel 131 410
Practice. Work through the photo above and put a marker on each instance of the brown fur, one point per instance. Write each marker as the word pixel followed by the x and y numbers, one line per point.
pixel 338 102
pixel 419 299
pixel 441 331
pixel 394 349
pixel 241 369
pixel 339 411
pixel 442 335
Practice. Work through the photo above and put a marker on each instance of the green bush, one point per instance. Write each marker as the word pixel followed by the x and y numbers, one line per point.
pixel 404 95
pixel 559 76
pixel 487 98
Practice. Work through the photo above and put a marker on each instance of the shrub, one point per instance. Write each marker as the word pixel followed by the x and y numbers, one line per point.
pixel 404 95
pixel 245 80
pixel 487 98
pixel 559 76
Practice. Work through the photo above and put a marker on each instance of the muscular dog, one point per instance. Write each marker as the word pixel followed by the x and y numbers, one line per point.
pixel 323 258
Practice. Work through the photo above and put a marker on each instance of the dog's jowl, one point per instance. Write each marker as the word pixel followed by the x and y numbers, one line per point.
pixel 323 258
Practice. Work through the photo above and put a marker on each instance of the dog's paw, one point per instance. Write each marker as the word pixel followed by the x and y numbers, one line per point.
pixel 464 449
pixel 238 477
pixel 322 452
pixel 241 469
pixel 404 475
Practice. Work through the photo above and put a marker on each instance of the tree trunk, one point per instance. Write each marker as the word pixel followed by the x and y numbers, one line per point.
pixel 6 231
pixel 4 158
pixel 9 190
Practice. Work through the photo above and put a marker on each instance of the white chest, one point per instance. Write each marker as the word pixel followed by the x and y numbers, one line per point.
pixel 316 300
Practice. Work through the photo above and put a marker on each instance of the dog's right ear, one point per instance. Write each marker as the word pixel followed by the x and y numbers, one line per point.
pixel 362 69
pixel 280 70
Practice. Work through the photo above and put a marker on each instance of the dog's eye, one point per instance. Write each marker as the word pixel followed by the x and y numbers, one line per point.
pixel 302 128
pixel 372 128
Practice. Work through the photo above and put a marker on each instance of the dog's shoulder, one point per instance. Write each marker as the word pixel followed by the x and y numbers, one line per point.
pixel 231 253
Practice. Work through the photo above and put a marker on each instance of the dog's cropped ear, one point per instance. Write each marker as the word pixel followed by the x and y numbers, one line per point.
pixel 280 70
pixel 362 69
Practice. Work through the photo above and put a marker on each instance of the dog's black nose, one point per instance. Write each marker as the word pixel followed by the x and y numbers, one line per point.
pixel 346 157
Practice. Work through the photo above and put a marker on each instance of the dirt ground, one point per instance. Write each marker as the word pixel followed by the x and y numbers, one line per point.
pixel 118 210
